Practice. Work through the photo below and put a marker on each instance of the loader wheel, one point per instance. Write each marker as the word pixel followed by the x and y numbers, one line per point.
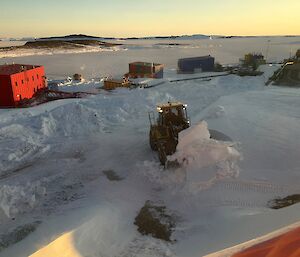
pixel 152 142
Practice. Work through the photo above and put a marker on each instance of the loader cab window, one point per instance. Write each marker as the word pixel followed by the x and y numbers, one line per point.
pixel 174 111
pixel 170 115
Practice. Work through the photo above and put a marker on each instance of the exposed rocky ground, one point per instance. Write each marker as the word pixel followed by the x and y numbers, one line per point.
pixel 65 44
pixel 156 220
pixel 280 203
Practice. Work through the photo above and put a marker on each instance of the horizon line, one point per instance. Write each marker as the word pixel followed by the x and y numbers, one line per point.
pixel 154 36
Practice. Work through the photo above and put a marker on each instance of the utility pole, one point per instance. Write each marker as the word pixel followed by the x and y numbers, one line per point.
pixel 267 52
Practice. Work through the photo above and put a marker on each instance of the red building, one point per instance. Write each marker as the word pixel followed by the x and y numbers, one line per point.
pixel 18 82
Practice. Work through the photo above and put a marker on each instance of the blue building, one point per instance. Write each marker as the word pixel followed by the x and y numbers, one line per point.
pixel 196 64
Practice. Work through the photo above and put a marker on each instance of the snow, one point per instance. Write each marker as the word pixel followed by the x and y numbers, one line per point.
pixel 196 149
pixel 91 86
pixel 272 124
pixel 6 43
pixel 53 51
pixel 53 156
pixel 104 235
pixel 19 198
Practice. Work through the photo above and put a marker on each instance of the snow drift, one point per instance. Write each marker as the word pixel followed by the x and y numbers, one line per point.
pixel 106 234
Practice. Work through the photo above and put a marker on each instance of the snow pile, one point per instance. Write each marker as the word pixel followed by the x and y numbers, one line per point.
pixel 15 199
pixel 196 151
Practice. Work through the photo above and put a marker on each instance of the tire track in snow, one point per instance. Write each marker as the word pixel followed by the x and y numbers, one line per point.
pixel 243 193
pixel 254 186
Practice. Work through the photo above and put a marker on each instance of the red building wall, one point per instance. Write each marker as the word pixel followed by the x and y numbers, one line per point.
pixel 6 94
pixel 27 83
pixel 22 85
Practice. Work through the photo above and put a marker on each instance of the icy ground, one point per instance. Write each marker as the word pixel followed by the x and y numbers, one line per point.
pixel 52 51
pixel 55 158
pixel 101 63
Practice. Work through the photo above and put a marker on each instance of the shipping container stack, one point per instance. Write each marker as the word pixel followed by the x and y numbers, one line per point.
pixel 145 70
pixel 196 64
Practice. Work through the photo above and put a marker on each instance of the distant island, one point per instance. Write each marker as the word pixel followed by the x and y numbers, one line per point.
pixel 50 43
pixel 71 37
pixel 82 36
pixel 67 44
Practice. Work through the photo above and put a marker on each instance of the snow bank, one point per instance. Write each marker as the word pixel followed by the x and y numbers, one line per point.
pixel 73 119
pixel 25 133
pixel 17 199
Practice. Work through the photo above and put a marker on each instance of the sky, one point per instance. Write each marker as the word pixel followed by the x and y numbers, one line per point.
pixel 126 18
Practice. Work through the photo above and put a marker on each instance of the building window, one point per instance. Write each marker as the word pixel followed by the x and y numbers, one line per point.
pixel 16 83
pixel 37 76
pixel 32 78
pixel 22 81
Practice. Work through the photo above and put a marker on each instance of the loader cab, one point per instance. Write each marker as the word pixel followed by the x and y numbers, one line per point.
pixel 172 113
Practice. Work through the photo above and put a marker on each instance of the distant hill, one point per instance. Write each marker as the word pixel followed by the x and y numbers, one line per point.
pixel 71 37
pixel 87 37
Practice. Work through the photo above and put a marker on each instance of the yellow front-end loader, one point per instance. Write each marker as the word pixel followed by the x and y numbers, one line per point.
pixel 165 126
